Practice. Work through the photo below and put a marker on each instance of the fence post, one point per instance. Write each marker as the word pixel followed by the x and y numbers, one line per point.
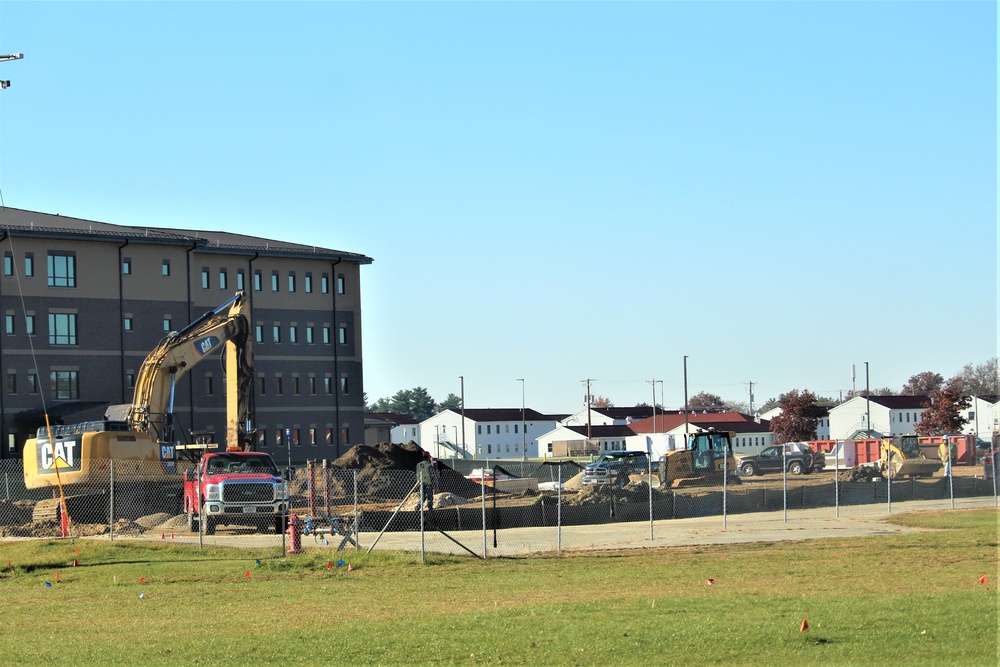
pixel 482 484
pixel 559 512
pixel 201 511
pixel 836 481
pixel 6 483
pixel 649 459
pixel 357 528
pixel 311 466
pixel 111 504
pixel 423 556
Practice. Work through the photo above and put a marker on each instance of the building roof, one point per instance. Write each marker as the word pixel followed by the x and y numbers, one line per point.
pixel 391 417
pixel 635 412
pixel 15 221
pixel 671 420
pixel 608 431
pixel 503 415
pixel 736 426
pixel 901 402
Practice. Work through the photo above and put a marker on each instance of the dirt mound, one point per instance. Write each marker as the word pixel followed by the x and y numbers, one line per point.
pixel 383 456
pixel 441 500
pixel 574 483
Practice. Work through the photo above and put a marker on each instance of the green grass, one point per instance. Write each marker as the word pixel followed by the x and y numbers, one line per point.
pixel 909 599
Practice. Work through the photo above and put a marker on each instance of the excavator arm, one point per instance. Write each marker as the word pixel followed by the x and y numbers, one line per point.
pixel 228 327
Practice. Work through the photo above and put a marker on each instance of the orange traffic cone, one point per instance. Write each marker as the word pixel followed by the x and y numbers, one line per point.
pixel 710 581
pixel 350 568
pixel 805 625
pixel 983 580
pixel 248 575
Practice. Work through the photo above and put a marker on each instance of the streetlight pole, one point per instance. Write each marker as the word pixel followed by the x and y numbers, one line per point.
pixel 685 401
pixel 13 56
pixel 524 450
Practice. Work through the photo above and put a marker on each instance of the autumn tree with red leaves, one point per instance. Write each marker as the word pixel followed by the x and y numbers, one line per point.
pixel 943 416
pixel 799 417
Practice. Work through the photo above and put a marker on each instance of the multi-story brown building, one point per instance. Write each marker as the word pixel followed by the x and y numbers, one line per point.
pixel 84 302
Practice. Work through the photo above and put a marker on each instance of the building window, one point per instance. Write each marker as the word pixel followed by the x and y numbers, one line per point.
pixel 258 281
pixel 489 429
pixel 328 384
pixel 126 266
pixel 278 388
pixel 343 384
pixel 295 385
pixel 274 281
pixel 345 435
pixel 65 385
pixel 479 429
pixel 258 334
pixel 276 333
pixel 326 334
pixel 166 323
pixel 8 264
pixel 293 334
pixel 240 280
pixel 261 384
pixel 130 379
pixel 262 437
pixel 32 383
pixel 223 279
pixel 62 328
pixel 324 284
pixel 295 437
pixel 309 283
pixel 8 324
pixel 205 280
pixel 312 436
pixel 165 270
pixel 128 324
pixel 209 386
pixel 341 284
pixel 291 282
pixel 29 265
pixel 342 334
pixel 309 335
pixel 62 270
pixel 312 385
pixel 11 382
pixel 29 325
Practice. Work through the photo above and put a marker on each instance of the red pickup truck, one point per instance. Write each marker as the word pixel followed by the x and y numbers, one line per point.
pixel 235 488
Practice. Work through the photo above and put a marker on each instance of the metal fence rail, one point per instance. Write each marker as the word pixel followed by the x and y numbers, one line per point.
pixel 379 508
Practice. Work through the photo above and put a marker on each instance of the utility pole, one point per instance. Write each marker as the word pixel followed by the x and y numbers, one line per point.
pixel 685 401
pixel 13 56
pixel 653 382
pixel 587 382
pixel 524 439
pixel 751 397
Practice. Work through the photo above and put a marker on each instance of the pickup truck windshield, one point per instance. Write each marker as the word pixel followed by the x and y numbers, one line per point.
pixel 225 463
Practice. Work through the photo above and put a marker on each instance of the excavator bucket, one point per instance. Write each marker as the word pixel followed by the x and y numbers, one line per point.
pixel 913 467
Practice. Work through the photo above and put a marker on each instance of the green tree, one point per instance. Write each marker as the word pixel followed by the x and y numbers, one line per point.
pixel 416 403
pixel 601 402
pixel 452 402
pixel 798 418
pixel 943 416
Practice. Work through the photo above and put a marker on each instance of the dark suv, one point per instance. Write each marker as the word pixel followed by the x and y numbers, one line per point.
pixel 799 459
pixel 615 467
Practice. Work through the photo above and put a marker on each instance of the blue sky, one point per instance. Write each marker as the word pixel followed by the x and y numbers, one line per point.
pixel 555 191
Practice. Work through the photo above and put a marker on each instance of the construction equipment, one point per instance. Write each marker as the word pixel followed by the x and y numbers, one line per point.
pixel 707 460
pixel 902 457
pixel 76 456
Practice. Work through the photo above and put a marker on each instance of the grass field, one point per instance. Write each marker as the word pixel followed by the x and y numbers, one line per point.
pixel 906 599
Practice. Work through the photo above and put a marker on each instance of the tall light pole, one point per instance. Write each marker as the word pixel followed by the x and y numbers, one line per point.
pixel 685 401
pixel 524 451
pixel 462 380
pixel 13 56
pixel 653 382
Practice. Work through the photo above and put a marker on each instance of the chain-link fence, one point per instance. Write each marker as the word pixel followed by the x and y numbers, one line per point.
pixel 486 510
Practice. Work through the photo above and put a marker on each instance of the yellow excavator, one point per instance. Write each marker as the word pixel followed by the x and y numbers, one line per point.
pixel 901 457
pixel 76 456
pixel 707 459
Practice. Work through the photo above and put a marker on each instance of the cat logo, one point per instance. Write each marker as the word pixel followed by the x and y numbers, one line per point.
pixel 63 456
pixel 206 345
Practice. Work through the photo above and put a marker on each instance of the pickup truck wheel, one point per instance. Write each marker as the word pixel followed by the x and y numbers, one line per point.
pixel 795 468
pixel 209 521
pixel 748 470
pixel 192 522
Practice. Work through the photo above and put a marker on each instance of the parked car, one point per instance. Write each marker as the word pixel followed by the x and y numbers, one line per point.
pixel 615 467
pixel 799 459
